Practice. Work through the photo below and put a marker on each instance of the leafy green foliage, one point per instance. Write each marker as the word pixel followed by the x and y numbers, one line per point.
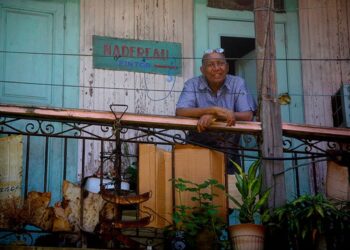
pixel 204 215
pixel 307 217
pixel 249 185
pixel 131 175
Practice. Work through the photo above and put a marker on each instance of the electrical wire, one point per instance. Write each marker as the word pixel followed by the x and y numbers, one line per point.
pixel 177 58
pixel 146 89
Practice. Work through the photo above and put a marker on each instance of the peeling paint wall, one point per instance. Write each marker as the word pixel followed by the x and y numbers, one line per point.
pixel 158 20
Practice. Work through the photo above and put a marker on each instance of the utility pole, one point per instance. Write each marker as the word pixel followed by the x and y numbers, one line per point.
pixel 269 112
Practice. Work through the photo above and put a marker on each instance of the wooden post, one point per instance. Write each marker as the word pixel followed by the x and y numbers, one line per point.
pixel 269 112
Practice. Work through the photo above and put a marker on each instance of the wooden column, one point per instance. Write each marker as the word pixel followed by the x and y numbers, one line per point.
pixel 269 112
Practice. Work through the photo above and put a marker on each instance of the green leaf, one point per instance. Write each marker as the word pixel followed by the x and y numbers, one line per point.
pixel 239 179
pixel 245 190
pixel 212 212
pixel 238 167
pixel 180 186
pixel 213 181
pixel 220 186
pixel 263 200
pixel 252 171
pixel 192 189
pixel 207 196
pixel 254 188
pixel 319 210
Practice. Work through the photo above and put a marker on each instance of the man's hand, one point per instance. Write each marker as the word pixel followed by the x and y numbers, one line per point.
pixel 226 115
pixel 204 122
pixel 208 115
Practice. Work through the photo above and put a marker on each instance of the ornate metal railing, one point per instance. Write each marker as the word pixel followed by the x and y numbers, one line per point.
pixel 84 138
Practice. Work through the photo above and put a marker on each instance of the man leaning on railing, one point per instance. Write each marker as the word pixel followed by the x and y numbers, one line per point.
pixel 216 95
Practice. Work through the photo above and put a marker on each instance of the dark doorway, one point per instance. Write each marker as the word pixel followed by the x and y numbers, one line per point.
pixel 235 48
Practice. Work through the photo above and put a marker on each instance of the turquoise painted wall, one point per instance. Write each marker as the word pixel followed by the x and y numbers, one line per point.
pixel 40 67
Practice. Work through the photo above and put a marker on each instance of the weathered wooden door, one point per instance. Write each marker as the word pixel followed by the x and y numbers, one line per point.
pixel 247 68
pixel 32 65
pixel 35 37
pixel 213 24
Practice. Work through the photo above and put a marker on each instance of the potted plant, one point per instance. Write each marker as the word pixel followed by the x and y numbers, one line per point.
pixel 248 234
pixel 199 225
pixel 312 222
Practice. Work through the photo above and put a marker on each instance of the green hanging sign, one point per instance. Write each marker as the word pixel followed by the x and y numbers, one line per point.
pixel 137 55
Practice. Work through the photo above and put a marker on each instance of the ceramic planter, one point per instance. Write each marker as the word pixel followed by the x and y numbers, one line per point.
pixel 247 236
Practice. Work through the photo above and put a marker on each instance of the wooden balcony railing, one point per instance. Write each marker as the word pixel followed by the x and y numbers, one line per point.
pixel 171 122
pixel 61 140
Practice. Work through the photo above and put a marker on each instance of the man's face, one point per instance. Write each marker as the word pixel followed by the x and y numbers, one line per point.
pixel 215 68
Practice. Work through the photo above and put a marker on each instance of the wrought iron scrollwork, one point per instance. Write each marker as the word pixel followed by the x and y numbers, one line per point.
pixel 306 148
pixel 302 148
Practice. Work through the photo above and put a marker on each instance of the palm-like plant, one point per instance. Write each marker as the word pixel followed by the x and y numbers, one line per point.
pixel 249 186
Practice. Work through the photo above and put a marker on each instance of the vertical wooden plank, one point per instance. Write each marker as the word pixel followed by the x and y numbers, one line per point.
pixel 11 151
pixel 188 23
pixel 159 190
pixel 159 95
pixel 305 54
pixel 173 30
pixel 109 30
pixel 82 51
pixel 154 173
pixel 71 62
pixel 168 189
pixel 270 112
pixel 295 84
pixel 346 64
pixel 123 92
pixel 201 32
pixel 316 66
pixel 197 165
pixel 147 178
pixel 308 65
pixel 148 85
pixel 217 172
pixel 188 54
pixel 281 68
pixel 334 20
pixel 330 47
pixel 144 31
pixel 88 74
pixel 94 79
pixel 99 74
pixel 343 9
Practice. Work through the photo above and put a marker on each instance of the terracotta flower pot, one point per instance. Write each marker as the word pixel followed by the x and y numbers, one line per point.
pixel 247 236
